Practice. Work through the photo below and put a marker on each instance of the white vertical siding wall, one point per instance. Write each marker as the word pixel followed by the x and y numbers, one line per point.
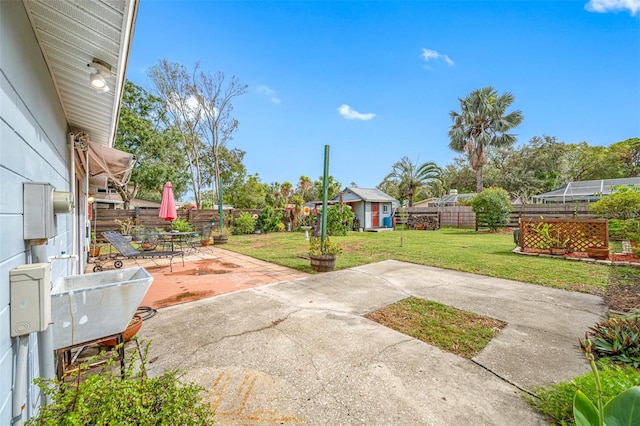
pixel 32 148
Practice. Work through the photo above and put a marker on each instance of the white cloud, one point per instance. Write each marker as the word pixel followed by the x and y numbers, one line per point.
pixel 266 90
pixel 604 6
pixel 428 54
pixel 351 114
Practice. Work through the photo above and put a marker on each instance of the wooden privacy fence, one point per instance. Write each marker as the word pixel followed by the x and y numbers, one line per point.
pixel 463 216
pixel 577 234
pixel 457 216
pixel 105 219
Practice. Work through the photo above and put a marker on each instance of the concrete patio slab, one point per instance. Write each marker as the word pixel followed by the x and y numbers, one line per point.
pixel 300 352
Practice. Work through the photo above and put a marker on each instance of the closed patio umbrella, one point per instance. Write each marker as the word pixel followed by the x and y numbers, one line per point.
pixel 168 205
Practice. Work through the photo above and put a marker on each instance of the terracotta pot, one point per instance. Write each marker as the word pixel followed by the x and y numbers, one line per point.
pixel 598 252
pixel 205 243
pixel 558 251
pixel 323 262
pixel 94 251
pixel 147 246
pixel 134 326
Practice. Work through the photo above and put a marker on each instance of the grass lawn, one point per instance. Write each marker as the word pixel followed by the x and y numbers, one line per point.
pixel 449 248
pixel 460 332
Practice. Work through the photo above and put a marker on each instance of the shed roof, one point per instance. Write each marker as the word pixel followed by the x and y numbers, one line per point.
pixel 586 190
pixel 364 194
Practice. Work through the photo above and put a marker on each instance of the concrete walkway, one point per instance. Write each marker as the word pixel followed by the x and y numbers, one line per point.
pixel 300 352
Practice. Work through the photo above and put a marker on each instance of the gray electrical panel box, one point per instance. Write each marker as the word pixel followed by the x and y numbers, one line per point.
pixel 30 298
pixel 41 204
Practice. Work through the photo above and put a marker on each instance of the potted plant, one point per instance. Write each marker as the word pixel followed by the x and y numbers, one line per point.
pixel 94 248
pixel 322 257
pixel 126 225
pixel 551 238
pixel 222 236
pixel 598 251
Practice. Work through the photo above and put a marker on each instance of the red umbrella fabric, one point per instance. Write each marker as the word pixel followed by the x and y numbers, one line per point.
pixel 168 205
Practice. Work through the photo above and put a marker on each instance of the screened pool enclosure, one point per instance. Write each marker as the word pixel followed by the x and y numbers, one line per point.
pixel 586 190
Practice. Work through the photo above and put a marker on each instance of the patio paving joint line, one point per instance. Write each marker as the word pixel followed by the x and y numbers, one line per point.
pixel 507 381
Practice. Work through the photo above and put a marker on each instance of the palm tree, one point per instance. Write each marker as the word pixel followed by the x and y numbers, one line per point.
pixel 285 191
pixel 408 177
pixel 303 186
pixel 481 123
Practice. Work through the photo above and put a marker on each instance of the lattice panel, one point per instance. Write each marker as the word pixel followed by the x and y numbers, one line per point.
pixel 580 233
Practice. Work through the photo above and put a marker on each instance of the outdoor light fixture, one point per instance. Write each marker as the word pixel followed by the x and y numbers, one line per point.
pixel 100 71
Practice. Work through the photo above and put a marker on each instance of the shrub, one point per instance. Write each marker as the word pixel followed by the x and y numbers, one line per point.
pixel 492 207
pixel 109 399
pixel 623 204
pixel 556 401
pixel 244 224
pixel 618 338
pixel 622 230
pixel 339 222
pixel 181 225
pixel 269 219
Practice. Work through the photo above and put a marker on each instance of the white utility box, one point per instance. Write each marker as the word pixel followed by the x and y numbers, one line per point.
pixel 30 298
pixel 41 205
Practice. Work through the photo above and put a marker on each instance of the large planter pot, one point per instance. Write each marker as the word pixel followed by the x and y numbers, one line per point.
pixel 558 251
pixel 598 252
pixel 220 239
pixel 323 262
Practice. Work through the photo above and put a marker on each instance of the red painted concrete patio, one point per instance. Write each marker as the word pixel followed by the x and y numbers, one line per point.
pixel 207 272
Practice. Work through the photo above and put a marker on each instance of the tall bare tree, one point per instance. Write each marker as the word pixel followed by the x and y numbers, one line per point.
pixel 481 123
pixel 174 85
pixel 214 94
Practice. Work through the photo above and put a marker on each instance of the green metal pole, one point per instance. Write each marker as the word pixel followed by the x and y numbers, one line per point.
pixel 220 213
pixel 325 194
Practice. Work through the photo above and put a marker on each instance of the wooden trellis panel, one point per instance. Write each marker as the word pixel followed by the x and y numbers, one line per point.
pixel 581 233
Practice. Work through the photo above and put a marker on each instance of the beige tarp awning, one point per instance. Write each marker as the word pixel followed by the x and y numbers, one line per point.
pixel 105 162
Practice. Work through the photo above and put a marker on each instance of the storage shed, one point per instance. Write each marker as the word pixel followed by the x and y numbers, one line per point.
pixel 372 207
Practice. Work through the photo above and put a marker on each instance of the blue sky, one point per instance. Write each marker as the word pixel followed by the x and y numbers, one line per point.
pixel 376 80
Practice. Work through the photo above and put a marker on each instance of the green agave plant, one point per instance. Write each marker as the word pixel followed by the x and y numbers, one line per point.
pixel 618 338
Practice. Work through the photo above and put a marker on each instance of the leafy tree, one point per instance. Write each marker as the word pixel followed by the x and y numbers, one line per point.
pixel 536 167
pixel 333 188
pixel 481 123
pixel 248 194
pixel 628 153
pixel 493 207
pixel 459 175
pixel 587 162
pixel 274 195
pixel 141 132
pixel 409 177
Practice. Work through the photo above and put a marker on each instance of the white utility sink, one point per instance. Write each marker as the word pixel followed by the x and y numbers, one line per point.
pixel 90 306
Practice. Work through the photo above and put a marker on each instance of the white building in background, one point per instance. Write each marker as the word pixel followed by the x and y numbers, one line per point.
pixel 53 127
